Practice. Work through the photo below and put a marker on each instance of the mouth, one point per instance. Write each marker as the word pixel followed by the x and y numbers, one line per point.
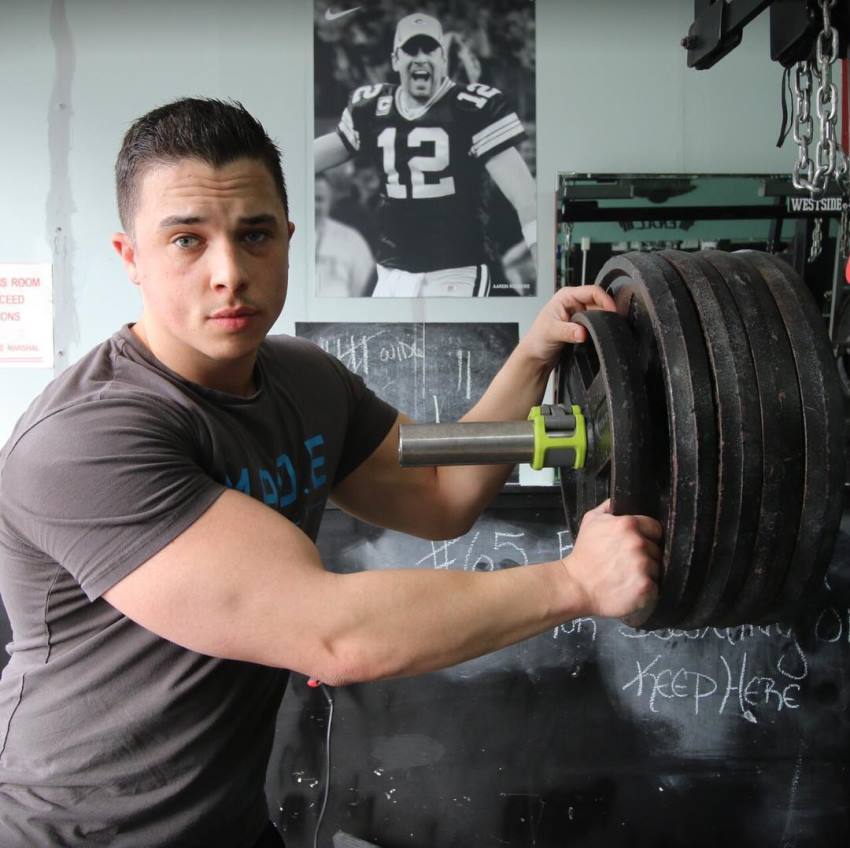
pixel 420 75
pixel 234 312
pixel 234 318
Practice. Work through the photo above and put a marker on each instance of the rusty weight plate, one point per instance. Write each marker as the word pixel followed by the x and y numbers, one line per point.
pixel 739 464
pixel 823 427
pixel 781 437
pixel 601 376
pixel 675 368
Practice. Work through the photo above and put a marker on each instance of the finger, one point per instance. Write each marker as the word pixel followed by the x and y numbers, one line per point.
pixel 588 297
pixel 573 333
pixel 649 527
pixel 642 613
pixel 653 551
pixel 594 514
pixel 601 509
pixel 602 300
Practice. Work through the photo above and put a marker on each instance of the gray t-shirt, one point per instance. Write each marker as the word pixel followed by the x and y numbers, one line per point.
pixel 110 735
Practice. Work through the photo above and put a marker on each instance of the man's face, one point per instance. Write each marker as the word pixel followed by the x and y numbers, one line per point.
pixel 421 64
pixel 210 254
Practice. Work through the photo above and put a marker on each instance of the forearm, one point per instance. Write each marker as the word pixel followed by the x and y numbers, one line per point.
pixel 328 152
pixel 512 176
pixel 402 622
pixel 517 387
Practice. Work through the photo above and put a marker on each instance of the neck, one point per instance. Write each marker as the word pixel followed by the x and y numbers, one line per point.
pixel 412 106
pixel 234 377
pixel 411 103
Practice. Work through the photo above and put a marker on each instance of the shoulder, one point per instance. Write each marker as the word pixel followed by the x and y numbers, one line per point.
pixel 71 457
pixel 99 423
pixel 489 117
pixel 78 387
pixel 478 99
pixel 105 397
pixel 371 98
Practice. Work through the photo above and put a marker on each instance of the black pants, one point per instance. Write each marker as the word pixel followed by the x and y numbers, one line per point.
pixel 269 838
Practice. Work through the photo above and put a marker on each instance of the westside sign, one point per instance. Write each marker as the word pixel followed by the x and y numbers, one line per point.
pixel 26 316
pixel 814 204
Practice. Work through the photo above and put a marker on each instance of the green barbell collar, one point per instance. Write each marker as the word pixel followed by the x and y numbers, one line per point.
pixel 544 443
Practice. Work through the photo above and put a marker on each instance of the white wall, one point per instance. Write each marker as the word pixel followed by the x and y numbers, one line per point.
pixel 614 94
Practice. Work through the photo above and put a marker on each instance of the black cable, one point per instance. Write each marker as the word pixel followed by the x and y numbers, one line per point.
pixel 330 700
pixel 785 85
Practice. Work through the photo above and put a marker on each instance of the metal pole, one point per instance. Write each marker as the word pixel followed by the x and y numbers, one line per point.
pixel 466 443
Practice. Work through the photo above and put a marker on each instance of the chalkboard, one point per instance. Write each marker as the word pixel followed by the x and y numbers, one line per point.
pixel 431 371
pixel 593 735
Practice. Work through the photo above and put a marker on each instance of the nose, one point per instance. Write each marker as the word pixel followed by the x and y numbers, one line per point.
pixel 227 271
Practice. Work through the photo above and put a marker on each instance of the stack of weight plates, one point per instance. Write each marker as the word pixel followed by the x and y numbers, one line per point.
pixel 714 404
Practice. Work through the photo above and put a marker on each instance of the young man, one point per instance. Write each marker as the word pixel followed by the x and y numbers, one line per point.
pixel 433 141
pixel 159 501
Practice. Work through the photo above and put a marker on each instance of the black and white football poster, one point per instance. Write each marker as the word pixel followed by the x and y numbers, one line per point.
pixel 424 148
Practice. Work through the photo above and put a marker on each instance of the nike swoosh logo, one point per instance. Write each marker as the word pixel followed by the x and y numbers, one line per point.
pixel 330 15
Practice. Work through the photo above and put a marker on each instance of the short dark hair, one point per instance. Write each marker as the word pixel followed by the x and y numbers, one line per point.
pixel 215 131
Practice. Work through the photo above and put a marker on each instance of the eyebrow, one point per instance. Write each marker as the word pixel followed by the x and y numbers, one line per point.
pixel 191 220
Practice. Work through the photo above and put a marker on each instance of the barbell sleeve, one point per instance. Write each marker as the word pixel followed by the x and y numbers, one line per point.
pixel 466 443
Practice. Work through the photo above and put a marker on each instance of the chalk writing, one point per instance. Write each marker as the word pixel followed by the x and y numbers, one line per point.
pixel 439 555
pixel 576 626
pixel 565 542
pixel 433 372
pixel 833 625
pixel 745 672
pixel 735 688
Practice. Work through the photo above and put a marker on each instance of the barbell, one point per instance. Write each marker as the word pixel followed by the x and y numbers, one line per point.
pixel 710 400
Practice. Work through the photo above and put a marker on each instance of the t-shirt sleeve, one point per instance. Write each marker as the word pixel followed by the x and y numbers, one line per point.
pixel 358 115
pixel 495 126
pixel 346 130
pixel 369 420
pixel 102 486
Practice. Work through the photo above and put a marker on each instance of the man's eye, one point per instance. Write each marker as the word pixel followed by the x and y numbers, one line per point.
pixel 256 236
pixel 186 241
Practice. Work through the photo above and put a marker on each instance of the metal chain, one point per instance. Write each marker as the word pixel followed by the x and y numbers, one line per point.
pixel 817 241
pixel 827 99
pixel 803 125
pixel 830 161
pixel 844 232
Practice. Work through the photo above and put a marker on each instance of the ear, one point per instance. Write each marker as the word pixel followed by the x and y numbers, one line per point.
pixel 123 245
pixel 290 225
pixel 394 60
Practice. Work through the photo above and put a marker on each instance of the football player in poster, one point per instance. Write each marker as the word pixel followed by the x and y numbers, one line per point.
pixel 437 144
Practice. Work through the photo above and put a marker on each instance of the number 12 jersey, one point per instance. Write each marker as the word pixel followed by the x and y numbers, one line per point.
pixel 432 213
